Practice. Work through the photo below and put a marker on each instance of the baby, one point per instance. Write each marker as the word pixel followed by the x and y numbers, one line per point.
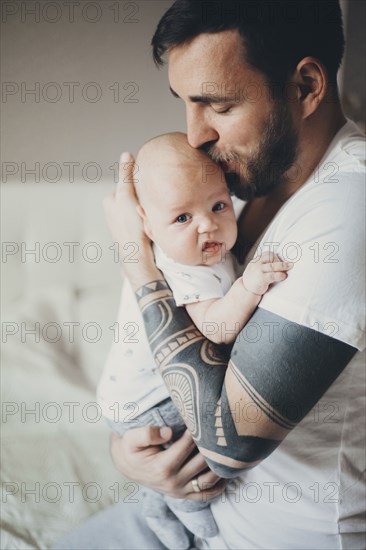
pixel 189 216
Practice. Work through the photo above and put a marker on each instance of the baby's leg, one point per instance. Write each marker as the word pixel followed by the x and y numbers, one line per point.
pixel 195 515
pixel 163 522
pixel 159 517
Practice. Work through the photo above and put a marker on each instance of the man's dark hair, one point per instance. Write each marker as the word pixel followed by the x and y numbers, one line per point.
pixel 276 34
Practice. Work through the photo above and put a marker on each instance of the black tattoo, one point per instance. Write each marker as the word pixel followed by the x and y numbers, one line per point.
pixel 239 414
pixel 259 401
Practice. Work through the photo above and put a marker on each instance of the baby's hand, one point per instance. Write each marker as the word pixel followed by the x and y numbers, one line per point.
pixel 260 273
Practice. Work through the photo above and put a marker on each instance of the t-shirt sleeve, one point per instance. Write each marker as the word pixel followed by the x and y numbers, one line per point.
pixel 324 237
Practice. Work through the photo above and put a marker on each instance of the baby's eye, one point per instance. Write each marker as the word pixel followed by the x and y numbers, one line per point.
pixel 218 206
pixel 183 218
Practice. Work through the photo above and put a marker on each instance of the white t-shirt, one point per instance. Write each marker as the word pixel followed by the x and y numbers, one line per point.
pixel 310 492
pixel 131 383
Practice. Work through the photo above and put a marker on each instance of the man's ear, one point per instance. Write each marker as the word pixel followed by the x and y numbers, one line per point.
pixel 147 228
pixel 311 85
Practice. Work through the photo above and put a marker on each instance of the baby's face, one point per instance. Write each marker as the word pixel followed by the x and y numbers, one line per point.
pixel 189 214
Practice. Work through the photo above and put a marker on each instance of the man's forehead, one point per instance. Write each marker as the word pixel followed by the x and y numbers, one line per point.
pixel 210 61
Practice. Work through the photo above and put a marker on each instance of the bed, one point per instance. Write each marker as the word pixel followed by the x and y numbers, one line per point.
pixel 60 291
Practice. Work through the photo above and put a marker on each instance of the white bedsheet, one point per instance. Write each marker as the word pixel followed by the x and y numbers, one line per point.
pixel 61 451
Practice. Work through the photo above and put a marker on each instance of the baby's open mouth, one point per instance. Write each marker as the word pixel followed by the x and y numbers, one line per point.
pixel 211 247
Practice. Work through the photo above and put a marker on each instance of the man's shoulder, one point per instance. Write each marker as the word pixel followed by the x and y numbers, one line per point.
pixel 344 158
pixel 335 207
pixel 333 195
pixel 321 229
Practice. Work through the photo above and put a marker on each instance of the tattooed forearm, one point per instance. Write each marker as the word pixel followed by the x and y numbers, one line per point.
pixel 193 369
pixel 237 411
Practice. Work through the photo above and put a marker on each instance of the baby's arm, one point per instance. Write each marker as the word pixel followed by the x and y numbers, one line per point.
pixel 221 319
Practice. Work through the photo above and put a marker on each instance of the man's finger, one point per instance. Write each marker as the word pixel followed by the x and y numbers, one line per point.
pixel 207 494
pixel 180 450
pixel 193 468
pixel 148 436
pixel 126 170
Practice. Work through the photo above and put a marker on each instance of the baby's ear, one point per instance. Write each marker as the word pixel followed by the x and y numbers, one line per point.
pixel 141 212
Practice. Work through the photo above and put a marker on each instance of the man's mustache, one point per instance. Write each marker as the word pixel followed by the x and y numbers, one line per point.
pixel 219 156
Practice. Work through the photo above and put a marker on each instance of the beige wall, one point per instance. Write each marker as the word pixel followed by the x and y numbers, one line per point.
pixel 61 44
pixel 108 53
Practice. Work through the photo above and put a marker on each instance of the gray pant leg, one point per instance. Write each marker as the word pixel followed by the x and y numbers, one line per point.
pixel 120 527
pixel 164 414
pixel 171 417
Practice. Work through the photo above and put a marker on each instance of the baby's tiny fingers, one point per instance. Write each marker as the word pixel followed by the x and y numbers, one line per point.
pixel 268 257
pixel 274 276
pixel 277 266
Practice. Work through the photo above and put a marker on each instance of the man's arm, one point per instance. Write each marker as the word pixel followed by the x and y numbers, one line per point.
pixel 269 369
pixel 238 415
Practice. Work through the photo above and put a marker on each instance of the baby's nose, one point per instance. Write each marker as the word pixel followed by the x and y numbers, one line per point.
pixel 207 224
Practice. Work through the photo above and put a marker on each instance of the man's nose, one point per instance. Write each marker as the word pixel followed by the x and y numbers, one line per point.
pixel 207 224
pixel 199 130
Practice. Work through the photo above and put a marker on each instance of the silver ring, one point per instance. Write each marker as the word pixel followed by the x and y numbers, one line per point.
pixel 195 486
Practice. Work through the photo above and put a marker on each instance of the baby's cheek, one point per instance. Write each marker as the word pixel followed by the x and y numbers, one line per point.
pixel 186 253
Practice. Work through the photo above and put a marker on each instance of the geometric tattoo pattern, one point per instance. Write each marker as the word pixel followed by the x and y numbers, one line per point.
pixel 234 419
pixel 221 440
pixel 258 401
pixel 194 371
pixel 183 387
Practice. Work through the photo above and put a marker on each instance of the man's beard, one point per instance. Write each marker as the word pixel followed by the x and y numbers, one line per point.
pixel 265 168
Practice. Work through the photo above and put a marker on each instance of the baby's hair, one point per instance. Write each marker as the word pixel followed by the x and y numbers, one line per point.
pixel 173 145
pixel 172 140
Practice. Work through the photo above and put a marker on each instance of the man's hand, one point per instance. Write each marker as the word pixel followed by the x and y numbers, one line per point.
pixel 139 456
pixel 126 227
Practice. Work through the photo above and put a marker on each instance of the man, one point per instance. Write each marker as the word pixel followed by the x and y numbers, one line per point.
pixel 259 83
